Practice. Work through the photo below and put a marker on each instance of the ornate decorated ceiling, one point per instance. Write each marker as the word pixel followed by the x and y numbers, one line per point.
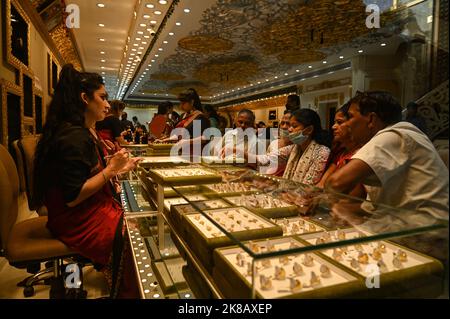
pixel 52 15
pixel 223 46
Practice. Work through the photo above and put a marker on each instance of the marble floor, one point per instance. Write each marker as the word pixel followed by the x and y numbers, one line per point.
pixel 94 283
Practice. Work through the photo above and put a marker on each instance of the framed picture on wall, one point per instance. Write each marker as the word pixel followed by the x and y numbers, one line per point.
pixel 272 115
pixel 17 35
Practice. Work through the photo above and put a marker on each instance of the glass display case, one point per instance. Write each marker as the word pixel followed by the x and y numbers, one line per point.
pixel 246 235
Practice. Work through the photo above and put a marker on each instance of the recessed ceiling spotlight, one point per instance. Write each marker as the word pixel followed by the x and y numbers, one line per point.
pixel 171 33
pixel 276 77
pixel 156 55
pixel 103 72
pixel 102 67
pixel 157 12
pixel 360 51
pixel 383 44
pixel 147 36
pixel 160 49
pixel 178 23
pixel 297 71
pixel 102 52
pixel 146 16
pixel 324 62
pixel 101 40
pixel 101 25
pixel 134 50
pixel 100 5
pixel 102 60
pixel 187 10
pixel 143 42
pixel 153 22
pixel 286 74
pixel 142 25
pixel 165 42
pixel 140 32
pixel 149 5
pixel 341 57
pixel 153 61
pixel 163 1
pixel 309 66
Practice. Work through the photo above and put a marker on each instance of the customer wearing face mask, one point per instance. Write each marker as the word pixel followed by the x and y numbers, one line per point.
pixel 309 156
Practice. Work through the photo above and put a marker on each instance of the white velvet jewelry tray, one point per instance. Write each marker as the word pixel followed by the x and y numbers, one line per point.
pixel 353 252
pixel 184 176
pixel 232 189
pixel 227 267
pixel 297 226
pixel 263 204
pixel 180 200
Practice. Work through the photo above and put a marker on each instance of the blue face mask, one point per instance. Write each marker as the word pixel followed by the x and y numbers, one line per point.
pixel 283 133
pixel 298 137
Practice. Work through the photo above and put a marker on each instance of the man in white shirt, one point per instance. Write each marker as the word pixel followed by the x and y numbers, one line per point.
pixel 243 137
pixel 398 164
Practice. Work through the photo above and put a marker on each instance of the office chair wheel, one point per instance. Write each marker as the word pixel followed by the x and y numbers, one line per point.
pixel 28 292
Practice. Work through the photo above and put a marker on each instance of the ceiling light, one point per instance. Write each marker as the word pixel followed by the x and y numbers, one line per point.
pixel 101 40
pixel 341 57
pixel 165 42
pixel 187 10
pixel 103 72
pixel 135 44
pixel 286 74
pixel 309 66
pixel 143 25
pixel 153 22
pixel 324 62
pixel 147 36
pixel 102 60
pixel 146 16
pixel 153 61
pixel 134 50
pixel 150 6
pixel 102 52
pixel 156 55
pixel 100 5
pixel 140 32
pixel 102 67
pixel 171 33
pixel 101 25
pixel 383 44
pixel 163 1
pixel 160 49
pixel 138 39
pixel 158 12
pixel 143 42
pixel 178 23
pixel 360 51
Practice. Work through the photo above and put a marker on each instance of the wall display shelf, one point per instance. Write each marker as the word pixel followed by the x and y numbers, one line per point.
pixel 203 236
pixel 264 204
pixel 294 276
pixel 17 34
pixel 12 114
pixel 184 176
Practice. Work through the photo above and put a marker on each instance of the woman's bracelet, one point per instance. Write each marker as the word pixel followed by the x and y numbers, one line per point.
pixel 104 176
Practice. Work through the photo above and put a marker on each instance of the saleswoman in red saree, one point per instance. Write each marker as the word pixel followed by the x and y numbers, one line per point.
pixel 74 182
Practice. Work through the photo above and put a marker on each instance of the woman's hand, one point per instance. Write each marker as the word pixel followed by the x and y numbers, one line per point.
pixel 110 147
pixel 118 161
pixel 131 165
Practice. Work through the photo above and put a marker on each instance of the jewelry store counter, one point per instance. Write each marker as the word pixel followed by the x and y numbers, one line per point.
pixel 220 231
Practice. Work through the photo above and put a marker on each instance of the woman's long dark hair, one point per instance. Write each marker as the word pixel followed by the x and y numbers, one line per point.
pixel 190 95
pixel 65 109
pixel 308 117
